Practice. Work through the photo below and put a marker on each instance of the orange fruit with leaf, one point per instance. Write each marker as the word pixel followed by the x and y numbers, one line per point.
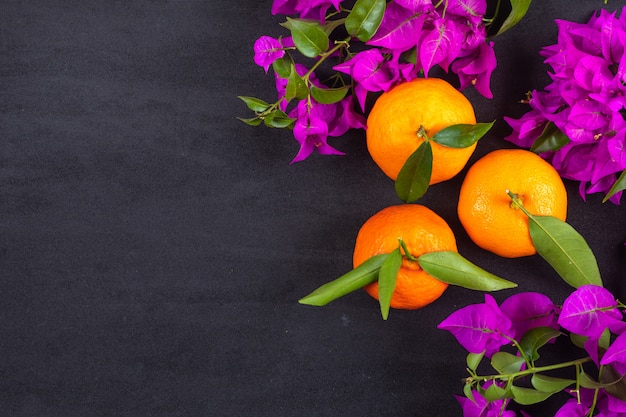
pixel 490 217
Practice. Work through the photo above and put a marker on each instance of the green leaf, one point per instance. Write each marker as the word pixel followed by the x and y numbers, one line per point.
pixel 461 135
pixel 253 121
pixel 329 95
pixel 362 275
pixel 494 392
pixel 586 381
pixel 565 249
pixel 618 185
pixel 473 360
pixel 363 21
pixel 283 66
pixel 278 119
pixel 387 280
pixel 414 176
pixel 534 339
pixel 616 385
pixel 296 86
pixel 308 36
pixel 506 363
pixel 467 391
pixel 518 11
pixel 545 383
pixel 452 268
pixel 528 396
pixel 255 104
pixel 551 139
pixel 578 340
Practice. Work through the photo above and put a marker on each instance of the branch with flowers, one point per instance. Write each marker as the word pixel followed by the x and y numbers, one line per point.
pixel 335 55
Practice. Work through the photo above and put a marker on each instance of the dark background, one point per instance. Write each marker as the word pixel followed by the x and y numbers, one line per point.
pixel 153 247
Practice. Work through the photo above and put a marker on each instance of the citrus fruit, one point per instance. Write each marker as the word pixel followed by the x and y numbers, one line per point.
pixel 422 231
pixel 488 214
pixel 398 114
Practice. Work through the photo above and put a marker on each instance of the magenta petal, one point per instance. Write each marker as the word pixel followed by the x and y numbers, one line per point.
pixel 266 51
pixel 399 29
pixel 588 311
pixel 528 310
pixel 616 354
pixel 439 45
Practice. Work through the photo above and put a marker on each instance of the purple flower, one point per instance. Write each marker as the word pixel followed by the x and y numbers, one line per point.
pixel 266 51
pixel 401 26
pixel 616 354
pixel 480 327
pixel 307 9
pixel 571 408
pixel 480 407
pixel 589 310
pixel 529 310
pixel 476 69
pixel 311 131
pixel 585 101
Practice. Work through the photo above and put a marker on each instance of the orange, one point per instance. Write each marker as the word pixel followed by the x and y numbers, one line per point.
pixel 398 114
pixel 486 211
pixel 423 231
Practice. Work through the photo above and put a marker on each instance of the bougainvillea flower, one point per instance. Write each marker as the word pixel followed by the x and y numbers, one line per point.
pixel 266 51
pixel 401 26
pixel 616 354
pixel 587 98
pixel 480 407
pixel 528 310
pixel 572 408
pixel 439 45
pixel 311 131
pixel 345 118
pixel 306 9
pixel 476 69
pixel 480 327
pixel 589 310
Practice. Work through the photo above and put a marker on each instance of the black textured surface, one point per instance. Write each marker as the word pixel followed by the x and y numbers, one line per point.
pixel 153 248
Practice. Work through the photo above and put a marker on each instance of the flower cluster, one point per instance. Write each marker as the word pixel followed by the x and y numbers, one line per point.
pixel 396 41
pixel 528 321
pixel 579 122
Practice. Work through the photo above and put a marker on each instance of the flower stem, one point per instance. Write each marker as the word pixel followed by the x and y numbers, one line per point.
pixel 530 370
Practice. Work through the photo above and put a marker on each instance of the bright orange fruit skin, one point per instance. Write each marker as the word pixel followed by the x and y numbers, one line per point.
pixel 423 231
pixel 397 115
pixel 485 209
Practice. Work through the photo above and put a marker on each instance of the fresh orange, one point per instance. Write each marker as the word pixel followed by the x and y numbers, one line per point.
pixel 398 114
pixel 422 231
pixel 488 214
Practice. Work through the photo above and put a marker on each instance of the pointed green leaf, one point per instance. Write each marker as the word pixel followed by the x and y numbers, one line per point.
pixel 467 391
pixel 328 95
pixel 462 135
pixel 253 121
pixel 364 19
pixel 278 119
pixel 452 268
pixel 473 360
pixel 494 392
pixel 545 383
pixel 616 385
pixel 506 363
pixel 618 185
pixel 296 86
pixel 387 280
pixel 551 139
pixel 414 177
pixel 308 36
pixel 518 11
pixel 528 396
pixel 282 66
pixel 534 339
pixel 586 381
pixel 362 275
pixel 255 104
pixel 565 249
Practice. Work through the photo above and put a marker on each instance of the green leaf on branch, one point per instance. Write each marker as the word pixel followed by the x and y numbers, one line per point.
pixel 364 19
pixel 474 359
pixel 534 339
pixel 329 95
pixel 283 66
pixel 550 384
pixel 253 121
pixel 278 119
pixel 255 104
pixel 387 280
pixel 518 11
pixel 495 392
pixel 462 135
pixel 618 185
pixel 357 278
pixel 506 363
pixel 308 36
pixel 528 396
pixel 563 248
pixel 296 86
pixel 414 176
pixel 616 384
pixel 452 268
pixel 551 139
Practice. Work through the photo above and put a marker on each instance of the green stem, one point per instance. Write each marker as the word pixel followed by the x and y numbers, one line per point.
pixel 531 370
pixel 323 56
